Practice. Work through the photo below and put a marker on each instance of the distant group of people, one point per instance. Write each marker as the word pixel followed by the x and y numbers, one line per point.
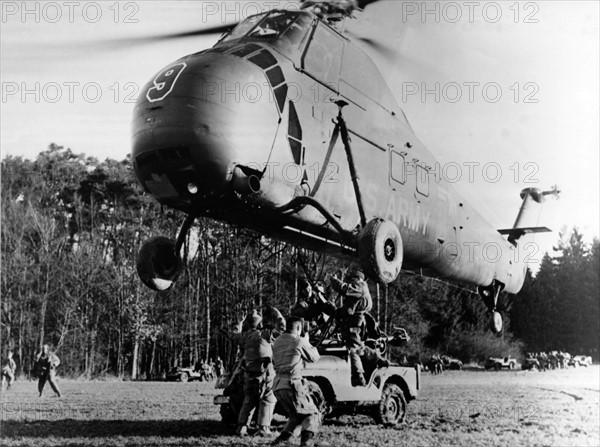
pixel 44 369
pixel 436 364
pixel 210 370
pixel 272 351
pixel 551 359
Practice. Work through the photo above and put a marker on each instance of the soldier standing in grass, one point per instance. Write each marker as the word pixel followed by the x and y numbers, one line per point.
pixel 258 376
pixel 290 351
pixel 45 367
pixel 219 369
pixel 9 367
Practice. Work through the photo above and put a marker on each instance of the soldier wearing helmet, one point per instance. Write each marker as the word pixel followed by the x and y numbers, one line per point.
pixel 312 306
pixel 256 344
pixel 351 315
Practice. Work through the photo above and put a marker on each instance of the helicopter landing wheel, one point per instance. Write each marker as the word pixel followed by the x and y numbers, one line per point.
pixel 496 322
pixel 157 264
pixel 380 250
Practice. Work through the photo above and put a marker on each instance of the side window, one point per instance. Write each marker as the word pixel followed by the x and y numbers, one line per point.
pixel 323 59
pixel 397 168
pixel 422 181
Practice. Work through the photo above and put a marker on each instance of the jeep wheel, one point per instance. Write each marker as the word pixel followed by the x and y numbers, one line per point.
pixel 184 377
pixel 497 366
pixel 392 407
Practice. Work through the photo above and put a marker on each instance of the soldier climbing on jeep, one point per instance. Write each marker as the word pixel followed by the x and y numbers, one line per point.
pixel 387 387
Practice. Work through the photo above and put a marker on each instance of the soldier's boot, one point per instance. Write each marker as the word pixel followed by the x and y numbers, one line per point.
pixel 356 368
pixel 265 416
pixel 382 363
pixel 264 430
pixel 358 379
pixel 307 439
pixel 282 438
pixel 242 430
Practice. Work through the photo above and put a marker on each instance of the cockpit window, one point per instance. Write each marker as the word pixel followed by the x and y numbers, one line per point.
pixel 285 30
pixel 243 28
pixel 274 25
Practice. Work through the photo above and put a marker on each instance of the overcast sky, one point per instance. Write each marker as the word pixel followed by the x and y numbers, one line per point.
pixel 488 85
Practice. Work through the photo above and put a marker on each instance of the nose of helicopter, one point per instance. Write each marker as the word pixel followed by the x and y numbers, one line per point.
pixel 196 121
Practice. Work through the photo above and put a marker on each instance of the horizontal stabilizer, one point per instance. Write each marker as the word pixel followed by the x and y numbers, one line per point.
pixel 518 232
pixel 514 234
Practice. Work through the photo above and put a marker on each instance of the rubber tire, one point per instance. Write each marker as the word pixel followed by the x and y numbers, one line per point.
pixel 157 265
pixel 497 367
pixel 184 377
pixel 391 410
pixel 377 236
pixel 496 322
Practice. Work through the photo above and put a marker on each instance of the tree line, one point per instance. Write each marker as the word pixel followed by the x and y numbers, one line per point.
pixel 71 230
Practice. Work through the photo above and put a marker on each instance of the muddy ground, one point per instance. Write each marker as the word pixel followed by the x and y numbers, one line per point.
pixel 475 407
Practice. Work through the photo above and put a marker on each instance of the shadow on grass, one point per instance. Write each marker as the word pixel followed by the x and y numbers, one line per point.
pixel 70 428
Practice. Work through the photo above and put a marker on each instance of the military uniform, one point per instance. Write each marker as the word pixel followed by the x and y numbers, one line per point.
pixel 258 377
pixel 291 390
pixel 9 367
pixel 219 369
pixel 357 301
pixel 46 365
pixel 311 304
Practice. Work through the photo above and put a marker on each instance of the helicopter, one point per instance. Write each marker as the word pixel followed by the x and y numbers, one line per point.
pixel 286 127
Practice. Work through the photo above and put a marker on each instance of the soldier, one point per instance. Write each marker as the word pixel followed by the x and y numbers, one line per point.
pixel 258 377
pixel 46 365
pixel 219 369
pixel 357 301
pixel 311 304
pixel 290 351
pixel 9 367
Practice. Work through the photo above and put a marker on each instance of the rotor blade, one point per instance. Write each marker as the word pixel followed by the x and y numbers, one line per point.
pixel 165 37
pixel 364 3
pixel 382 48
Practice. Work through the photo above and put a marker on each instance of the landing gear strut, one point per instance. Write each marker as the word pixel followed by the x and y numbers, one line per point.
pixel 380 249
pixel 490 295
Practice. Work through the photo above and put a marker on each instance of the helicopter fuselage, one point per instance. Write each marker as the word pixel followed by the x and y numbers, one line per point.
pixel 239 131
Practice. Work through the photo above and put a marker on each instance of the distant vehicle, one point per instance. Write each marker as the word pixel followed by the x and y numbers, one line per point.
pixel 185 374
pixel 499 363
pixel 450 363
pixel 530 363
pixel 580 360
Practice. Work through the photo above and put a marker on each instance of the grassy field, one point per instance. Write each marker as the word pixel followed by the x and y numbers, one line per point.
pixel 503 408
